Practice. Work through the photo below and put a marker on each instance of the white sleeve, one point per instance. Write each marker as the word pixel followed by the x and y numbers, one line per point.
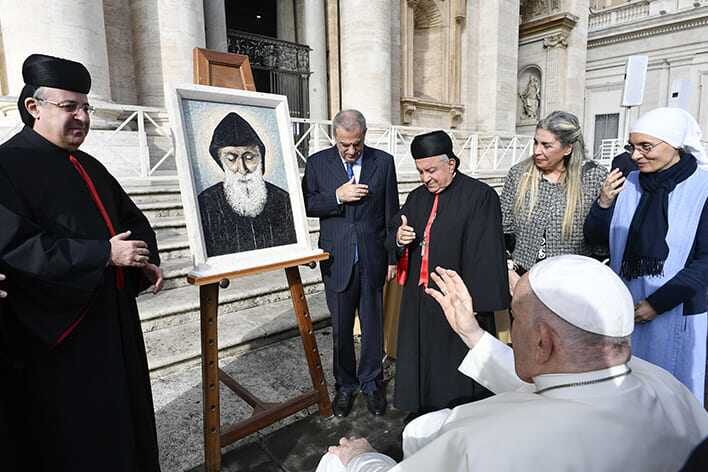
pixel 371 462
pixel 491 363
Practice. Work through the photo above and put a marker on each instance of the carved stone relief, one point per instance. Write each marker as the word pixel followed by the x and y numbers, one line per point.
pixel 531 9
pixel 529 107
pixel 556 40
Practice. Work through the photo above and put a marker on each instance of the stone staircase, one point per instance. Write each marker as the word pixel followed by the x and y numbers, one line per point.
pixel 252 309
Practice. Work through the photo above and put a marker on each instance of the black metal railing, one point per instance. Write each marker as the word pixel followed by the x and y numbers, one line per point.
pixel 278 67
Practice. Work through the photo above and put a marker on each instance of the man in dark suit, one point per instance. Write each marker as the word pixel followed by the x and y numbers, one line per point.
pixel 352 189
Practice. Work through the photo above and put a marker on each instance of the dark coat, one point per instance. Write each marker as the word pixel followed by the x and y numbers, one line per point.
pixel 466 236
pixel 76 388
pixel 225 232
pixel 362 223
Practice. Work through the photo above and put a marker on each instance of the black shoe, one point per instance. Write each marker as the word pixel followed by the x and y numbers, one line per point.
pixel 376 402
pixel 343 402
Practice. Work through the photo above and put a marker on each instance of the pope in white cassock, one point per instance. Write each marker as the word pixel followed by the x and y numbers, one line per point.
pixel 569 396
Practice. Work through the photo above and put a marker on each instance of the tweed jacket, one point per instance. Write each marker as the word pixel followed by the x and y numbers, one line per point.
pixel 546 219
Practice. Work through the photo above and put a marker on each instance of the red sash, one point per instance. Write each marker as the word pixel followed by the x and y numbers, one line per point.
pixel 402 267
pixel 120 275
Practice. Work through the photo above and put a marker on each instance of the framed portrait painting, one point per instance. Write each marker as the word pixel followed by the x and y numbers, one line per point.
pixel 239 179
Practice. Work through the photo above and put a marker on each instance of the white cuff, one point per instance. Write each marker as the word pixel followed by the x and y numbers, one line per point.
pixel 371 462
pixel 491 363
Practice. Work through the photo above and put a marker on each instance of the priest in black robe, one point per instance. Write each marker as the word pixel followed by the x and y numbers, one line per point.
pixel 76 251
pixel 244 212
pixel 451 221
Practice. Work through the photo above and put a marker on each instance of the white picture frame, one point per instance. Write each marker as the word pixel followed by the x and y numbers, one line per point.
pixel 195 111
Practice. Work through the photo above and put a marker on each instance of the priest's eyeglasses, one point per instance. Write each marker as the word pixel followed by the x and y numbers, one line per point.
pixel 70 106
pixel 642 148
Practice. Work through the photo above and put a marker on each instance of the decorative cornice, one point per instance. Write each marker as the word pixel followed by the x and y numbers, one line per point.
pixel 409 105
pixel 648 31
pixel 563 21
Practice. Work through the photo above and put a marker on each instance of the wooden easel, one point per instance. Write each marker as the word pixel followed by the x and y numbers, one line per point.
pixel 234 70
pixel 264 414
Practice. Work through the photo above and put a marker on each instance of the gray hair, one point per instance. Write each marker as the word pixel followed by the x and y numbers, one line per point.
pixel 581 346
pixel 349 120
pixel 40 93
pixel 566 128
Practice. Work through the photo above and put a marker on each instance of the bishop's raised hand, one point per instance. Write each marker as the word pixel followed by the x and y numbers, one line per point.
pixel 405 234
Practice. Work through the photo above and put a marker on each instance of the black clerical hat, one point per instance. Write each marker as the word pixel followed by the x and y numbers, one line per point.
pixel 233 130
pixel 40 70
pixel 432 144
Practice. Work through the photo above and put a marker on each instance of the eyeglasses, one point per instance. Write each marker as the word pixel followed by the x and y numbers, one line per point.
pixel 70 106
pixel 642 148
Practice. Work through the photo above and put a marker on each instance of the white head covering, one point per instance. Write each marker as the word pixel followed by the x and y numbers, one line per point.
pixel 585 293
pixel 675 126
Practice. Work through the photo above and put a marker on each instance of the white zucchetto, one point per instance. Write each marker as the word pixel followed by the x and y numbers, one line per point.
pixel 585 293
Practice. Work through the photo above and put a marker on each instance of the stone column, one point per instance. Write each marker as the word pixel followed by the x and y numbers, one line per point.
pixel 555 83
pixel 576 59
pixel 164 34
pixel 496 26
pixel 286 20
pixel 119 39
pixel 72 29
pixel 366 58
pixel 215 25
pixel 314 37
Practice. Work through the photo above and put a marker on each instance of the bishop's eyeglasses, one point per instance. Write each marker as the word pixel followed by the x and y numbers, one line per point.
pixel 70 106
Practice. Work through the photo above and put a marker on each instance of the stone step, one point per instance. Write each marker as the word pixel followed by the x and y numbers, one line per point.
pixel 148 193
pixel 169 228
pixel 175 272
pixel 156 210
pixel 181 305
pixel 170 347
pixel 174 247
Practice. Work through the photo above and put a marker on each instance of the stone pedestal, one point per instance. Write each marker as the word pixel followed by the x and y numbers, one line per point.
pixel 365 49
pixel 72 29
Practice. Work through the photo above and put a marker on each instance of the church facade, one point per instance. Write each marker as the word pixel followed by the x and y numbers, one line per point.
pixel 491 67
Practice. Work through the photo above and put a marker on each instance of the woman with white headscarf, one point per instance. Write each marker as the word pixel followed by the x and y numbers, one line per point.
pixel 656 224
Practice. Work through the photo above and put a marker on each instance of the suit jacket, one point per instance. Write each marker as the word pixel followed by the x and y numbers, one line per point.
pixel 343 227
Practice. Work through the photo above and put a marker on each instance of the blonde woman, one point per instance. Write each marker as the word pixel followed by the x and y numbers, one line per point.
pixel 547 196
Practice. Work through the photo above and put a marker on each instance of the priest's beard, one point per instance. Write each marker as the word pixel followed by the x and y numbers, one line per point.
pixel 245 194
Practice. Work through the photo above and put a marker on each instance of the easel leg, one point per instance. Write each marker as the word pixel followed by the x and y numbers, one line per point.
pixel 304 322
pixel 209 305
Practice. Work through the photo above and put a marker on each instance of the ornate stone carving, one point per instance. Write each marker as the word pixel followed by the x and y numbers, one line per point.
pixel 556 40
pixel 407 111
pixel 269 53
pixel 530 98
pixel 531 9
pixel 456 116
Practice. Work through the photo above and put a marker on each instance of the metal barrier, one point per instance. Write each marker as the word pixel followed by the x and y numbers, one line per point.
pixel 136 143
pixel 120 131
pixel 478 153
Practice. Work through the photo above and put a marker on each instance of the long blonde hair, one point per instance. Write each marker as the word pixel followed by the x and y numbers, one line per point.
pixel 566 127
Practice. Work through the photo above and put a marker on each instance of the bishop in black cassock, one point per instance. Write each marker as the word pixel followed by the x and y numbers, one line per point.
pixel 75 387
pixel 464 235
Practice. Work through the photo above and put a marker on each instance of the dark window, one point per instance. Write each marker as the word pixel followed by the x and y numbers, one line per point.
pixel 253 17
